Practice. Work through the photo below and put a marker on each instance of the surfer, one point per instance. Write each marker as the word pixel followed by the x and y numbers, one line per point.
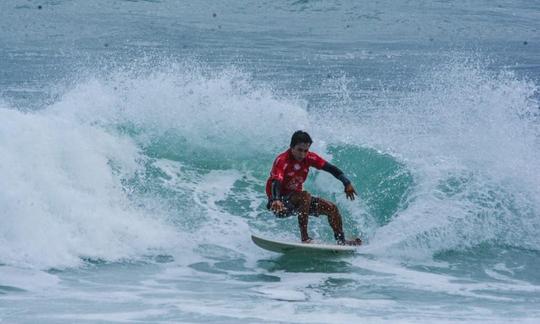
pixel 286 196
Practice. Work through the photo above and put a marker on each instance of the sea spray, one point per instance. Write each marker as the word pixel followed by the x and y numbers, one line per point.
pixel 63 197
pixel 470 138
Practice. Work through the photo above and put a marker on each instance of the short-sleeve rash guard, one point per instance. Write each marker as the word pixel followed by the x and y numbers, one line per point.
pixel 292 173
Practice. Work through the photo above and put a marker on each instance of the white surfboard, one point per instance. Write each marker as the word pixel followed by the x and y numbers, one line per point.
pixel 293 247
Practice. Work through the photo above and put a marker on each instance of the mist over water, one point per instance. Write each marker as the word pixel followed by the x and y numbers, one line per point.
pixel 133 173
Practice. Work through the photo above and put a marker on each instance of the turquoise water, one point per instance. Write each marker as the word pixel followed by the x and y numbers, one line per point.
pixel 136 138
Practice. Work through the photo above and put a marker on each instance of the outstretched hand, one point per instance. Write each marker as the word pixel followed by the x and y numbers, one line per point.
pixel 350 192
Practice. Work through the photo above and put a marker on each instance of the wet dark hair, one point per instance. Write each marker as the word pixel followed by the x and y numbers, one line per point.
pixel 300 137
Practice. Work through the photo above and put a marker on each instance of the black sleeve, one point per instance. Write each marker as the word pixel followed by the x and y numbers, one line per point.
pixel 276 189
pixel 336 172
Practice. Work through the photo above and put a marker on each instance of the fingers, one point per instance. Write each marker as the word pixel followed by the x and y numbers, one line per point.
pixel 278 207
pixel 350 192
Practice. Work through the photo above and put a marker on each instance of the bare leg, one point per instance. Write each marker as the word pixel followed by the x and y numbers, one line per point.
pixel 302 201
pixel 334 217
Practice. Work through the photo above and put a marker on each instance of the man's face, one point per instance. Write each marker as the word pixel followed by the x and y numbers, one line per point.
pixel 300 151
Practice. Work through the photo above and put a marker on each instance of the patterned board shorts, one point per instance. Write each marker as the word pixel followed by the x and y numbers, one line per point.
pixel 291 208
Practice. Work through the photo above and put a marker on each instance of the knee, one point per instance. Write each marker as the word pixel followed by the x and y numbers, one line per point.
pixel 333 209
pixel 306 197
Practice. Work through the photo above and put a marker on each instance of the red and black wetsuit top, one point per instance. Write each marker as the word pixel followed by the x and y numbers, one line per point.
pixel 292 173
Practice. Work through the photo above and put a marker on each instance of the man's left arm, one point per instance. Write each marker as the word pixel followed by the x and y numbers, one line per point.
pixel 338 174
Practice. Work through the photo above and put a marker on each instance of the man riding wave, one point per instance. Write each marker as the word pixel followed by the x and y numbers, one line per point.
pixel 286 195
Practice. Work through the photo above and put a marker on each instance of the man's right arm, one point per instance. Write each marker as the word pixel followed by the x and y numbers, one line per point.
pixel 276 203
pixel 276 190
pixel 277 175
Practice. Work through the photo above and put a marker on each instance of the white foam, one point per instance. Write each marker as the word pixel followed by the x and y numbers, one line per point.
pixel 119 317
pixel 470 139
pixel 390 274
pixel 63 197
pixel 27 279
pixel 282 294
pixel 220 111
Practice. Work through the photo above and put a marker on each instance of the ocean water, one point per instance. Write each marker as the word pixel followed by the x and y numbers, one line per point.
pixel 136 138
